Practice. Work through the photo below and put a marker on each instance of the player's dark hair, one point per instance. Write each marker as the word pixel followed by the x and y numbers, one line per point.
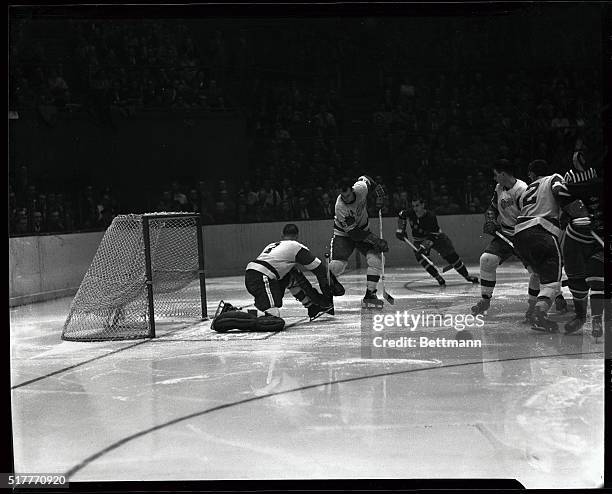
pixel 418 199
pixel 345 185
pixel 290 229
pixel 504 165
pixel 538 167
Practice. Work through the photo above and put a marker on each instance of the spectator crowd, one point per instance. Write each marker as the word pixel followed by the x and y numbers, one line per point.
pixel 321 105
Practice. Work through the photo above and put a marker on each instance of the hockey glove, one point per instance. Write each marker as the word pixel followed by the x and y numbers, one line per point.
pixel 378 244
pixel 491 225
pixel 579 214
pixel 401 235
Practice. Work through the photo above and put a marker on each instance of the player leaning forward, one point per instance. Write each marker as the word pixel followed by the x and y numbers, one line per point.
pixel 352 231
pixel 276 269
pixel 537 232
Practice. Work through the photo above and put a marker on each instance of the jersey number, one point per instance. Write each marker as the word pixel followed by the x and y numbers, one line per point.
pixel 270 247
pixel 529 197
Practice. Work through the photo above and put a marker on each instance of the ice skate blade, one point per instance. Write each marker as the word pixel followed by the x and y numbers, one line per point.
pixel 370 305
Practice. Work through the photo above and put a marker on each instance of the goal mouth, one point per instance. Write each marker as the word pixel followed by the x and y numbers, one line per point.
pixel 147 267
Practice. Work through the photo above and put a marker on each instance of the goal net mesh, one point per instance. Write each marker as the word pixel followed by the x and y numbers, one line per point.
pixel 112 301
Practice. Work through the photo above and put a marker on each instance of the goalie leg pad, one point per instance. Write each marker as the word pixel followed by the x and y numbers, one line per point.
pixel 234 319
pixel 269 323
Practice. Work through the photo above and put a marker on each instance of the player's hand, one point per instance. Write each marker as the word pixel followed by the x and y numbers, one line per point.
pixel 490 227
pixel 427 244
pixel 380 245
pixel 401 235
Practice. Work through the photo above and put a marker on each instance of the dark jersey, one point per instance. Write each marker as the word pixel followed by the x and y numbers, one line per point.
pixel 587 187
pixel 422 228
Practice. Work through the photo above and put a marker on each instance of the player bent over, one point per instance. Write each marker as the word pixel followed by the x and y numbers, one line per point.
pixel 537 232
pixel 427 235
pixel 267 278
pixel 582 253
pixel 352 231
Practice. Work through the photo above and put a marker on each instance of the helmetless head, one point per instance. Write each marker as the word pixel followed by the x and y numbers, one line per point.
pixel 418 205
pixel 503 173
pixel 290 232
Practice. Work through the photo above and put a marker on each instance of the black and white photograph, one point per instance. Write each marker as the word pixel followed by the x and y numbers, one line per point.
pixel 328 243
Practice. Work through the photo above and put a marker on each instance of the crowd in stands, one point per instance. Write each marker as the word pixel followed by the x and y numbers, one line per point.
pixel 36 210
pixel 428 133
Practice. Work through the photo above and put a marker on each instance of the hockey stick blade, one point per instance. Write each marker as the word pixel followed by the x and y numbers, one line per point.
pixel 387 296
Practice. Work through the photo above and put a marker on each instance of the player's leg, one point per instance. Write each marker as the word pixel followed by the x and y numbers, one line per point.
pixel 496 253
pixel 341 249
pixel 305 293
pixel 446 249
pixel 541 251
pixel 533 291
pixel 267 292
pixel 560 302
pixel 433 272
pixel 595 281
pixel 575 268
pixel 373 273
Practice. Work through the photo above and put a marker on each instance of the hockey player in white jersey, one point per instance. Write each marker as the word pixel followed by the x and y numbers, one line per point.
pixel 537 232
pixel 275 270
pixel 500 217
pixel 352 231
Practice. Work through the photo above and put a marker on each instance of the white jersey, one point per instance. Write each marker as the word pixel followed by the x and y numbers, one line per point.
pixel 278 258
pixel 352 216
pixel 505 203
pixel 539 205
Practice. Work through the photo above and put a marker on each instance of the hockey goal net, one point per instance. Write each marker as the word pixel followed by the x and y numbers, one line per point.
pixel 148 268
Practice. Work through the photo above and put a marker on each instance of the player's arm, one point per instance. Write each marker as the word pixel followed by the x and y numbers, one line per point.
pixel 402 223
pixel 373 188
pixel 314 264
pixel 572 206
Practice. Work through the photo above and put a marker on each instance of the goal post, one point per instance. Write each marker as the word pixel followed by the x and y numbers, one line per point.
pixel 148 268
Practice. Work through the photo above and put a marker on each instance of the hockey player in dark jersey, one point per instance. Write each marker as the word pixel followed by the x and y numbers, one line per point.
pixel 352 231
pixel 276 270
pixel 582 252
pixel 427 235
pixel 537 232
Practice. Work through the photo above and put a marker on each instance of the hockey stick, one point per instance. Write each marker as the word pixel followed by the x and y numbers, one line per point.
pixel 598 238
pixel 386 295
pixel 427 260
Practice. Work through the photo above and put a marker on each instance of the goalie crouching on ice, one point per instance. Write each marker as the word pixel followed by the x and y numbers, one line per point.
pixel 267 277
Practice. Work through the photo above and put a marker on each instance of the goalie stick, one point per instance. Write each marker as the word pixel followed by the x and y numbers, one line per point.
pixel 386 295
pixel 427 260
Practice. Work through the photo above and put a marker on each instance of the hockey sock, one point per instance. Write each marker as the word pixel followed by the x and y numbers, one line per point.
pixel 534 289
pixel 596 284
pixel 461 269
pixel 372 282
pixel 597 303
pixel 580 290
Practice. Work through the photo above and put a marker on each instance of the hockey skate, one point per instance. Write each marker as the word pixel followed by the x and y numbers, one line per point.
pixel 529 315
pixel 315 311
pixel 560 305
pixel 575 324
pixel 481 306
pixel 371 301
pixel 472 279
pixel 597 330
pixel 542 322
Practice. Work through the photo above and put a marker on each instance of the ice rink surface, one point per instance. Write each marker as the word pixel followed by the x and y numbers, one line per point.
pixel 304 404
